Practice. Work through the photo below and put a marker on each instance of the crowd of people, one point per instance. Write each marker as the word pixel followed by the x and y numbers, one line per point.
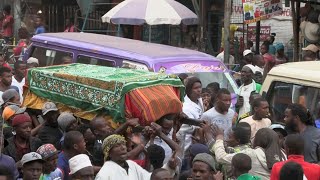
pixel 210 139
pixel 270 53
pixel 24 35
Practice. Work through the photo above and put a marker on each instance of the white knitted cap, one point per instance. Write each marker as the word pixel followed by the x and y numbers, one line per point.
pixel 79 162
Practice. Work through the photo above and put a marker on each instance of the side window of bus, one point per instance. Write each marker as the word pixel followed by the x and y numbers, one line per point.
pixel 48 57
pixel 279 98
pixel 95 61
pixel 282 94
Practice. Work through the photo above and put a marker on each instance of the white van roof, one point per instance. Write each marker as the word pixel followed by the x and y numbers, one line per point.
pixel 307 70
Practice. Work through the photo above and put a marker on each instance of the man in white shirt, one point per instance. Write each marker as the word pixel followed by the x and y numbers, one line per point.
pixel 18 79
pixel 221 58
pixel 259 119
pixel 248 85
pixel 192 107
pixel 221 114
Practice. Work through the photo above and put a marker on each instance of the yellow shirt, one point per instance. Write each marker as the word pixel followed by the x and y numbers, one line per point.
pixel 233 29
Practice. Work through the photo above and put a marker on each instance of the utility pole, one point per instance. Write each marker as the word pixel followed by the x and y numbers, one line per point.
pixel 295 33
pixel 201 30
pixel 227 15
pixel 200 27
pixel 258 28
pixel 16 14
pixel 204 25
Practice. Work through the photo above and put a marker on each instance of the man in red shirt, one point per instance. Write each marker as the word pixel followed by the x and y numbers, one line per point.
pixel 7 24
pixel 294 146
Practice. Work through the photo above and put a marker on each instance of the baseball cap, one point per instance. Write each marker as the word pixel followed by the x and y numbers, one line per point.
pixel 46 151
pixel 246 52
pixel 279 127
pixel 206 158
pixel 9 94
pixel 312 48
pixel 29 157
pixel 11 110
pixel 47 107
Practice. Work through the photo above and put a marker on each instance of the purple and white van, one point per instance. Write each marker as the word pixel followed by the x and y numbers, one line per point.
pixel 88 48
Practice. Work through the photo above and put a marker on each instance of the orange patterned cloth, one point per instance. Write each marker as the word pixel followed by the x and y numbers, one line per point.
pixel 150 104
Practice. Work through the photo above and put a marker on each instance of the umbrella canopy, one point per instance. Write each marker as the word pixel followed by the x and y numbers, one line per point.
pixel 152 12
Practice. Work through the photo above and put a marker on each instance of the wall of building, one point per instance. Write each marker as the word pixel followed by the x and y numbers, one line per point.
pixel 281 25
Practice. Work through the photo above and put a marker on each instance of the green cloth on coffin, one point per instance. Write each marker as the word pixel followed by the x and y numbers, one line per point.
pixel 94 88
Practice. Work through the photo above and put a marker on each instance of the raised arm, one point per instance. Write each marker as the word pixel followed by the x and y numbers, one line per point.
pixel 173 145
pixel 218 147
pixel 123 127
pixel 139 148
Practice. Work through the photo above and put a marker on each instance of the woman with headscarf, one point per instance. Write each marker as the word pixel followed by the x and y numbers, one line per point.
pixel 266 145
pixel 22 142
pixel 117 165
pixel 265 151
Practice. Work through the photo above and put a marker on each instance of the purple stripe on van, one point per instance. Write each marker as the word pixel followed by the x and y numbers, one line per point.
pixel 190 67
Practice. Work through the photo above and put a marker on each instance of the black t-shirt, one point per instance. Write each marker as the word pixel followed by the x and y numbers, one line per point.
pixel 50 135
pixel 98 157
pixel 7 132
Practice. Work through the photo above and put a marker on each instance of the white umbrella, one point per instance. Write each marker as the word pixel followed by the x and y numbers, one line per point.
pixel 151 12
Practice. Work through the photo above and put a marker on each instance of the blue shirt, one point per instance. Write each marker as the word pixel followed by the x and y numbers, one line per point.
pixel 317 121
pixel 40 30
pixel 54 175
pixel 63 165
